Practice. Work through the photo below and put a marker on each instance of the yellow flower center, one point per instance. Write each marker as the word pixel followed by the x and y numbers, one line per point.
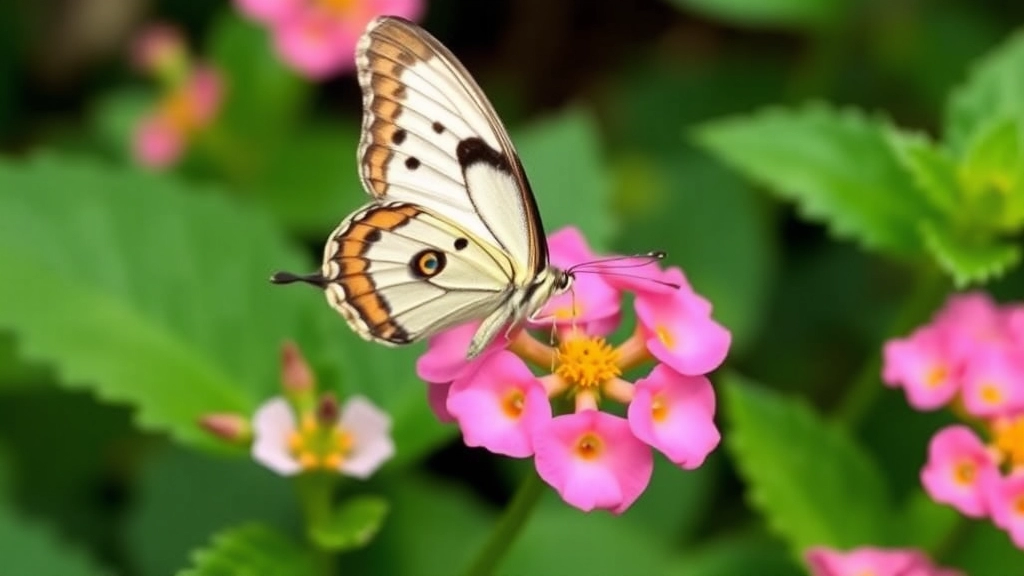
pixel 569 312
pixel 316 446
pixel 513 403
pixel 666 337
pixel 935 376
pixel 337 7
pixel 1008 438
pixel 587 362
pixel 179 109
pixel 991 393
pixel 964 473
pixel 659 408
pixel 589 446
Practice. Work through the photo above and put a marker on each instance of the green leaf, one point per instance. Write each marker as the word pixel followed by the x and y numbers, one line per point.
pixel 263 96
pixel 145 291
pixel 924 523
pixel 353 524
pixel 992 175
pixel 114 116
pixel 981 549
pixel 251 549
pixel 743 553
pixel 802 473
pixel 32 549
pixel 993 91
pixel 797 14
pixel 563 161
pixel 934 172
pixel 969 260
pixel 836 165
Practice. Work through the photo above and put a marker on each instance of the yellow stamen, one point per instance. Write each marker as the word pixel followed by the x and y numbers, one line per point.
pixel 991 393
pixel 589 446
pixel 307 460
pixel 935 376
pixel 659 408
pixel 331 461
pixel 513 403
pixel 343 440
pixel 666 337
pixel 1008 436
pixel 964 473
pixel 587 362
pixel 296 442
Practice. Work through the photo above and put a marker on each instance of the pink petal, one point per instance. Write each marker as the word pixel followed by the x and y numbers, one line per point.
pixel 675 414
pixel 370 428
pixel 408 9
pixel 645 277
pixel 316 45
pixel 958 469
pixel 922 365
pixel 156 142
pixel 869 560
pixel 205 91
pixel 590 303
pixel 272 425
pixel 610 477
pixel 437 398
pixel 1006 502
pixel 500 405
pixel 272 12
pixel 992 381
pixel 680 331
pixel 445 358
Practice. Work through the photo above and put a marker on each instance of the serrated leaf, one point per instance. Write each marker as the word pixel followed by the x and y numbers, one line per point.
pixel 992 175
pixel 251 549
pixel 563 161
pixel 145 291
pixel 969 260
pixel 798 14
pixel 930 166
pixel 802 473
pixel 29 548
pixel 994 90
pixel 352 525
pixel 836 165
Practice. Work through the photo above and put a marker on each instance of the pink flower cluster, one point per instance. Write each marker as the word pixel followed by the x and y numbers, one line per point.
pixel 874 562
pixel 192 96
pixel 318 37
pixel 970 356
pixel 593 458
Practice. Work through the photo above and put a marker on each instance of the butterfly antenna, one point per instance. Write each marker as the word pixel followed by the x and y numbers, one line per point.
pixel 671 285
pixel 316 279
pixel 636 261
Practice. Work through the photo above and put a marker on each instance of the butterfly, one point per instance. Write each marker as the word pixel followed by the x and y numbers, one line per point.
pixel 453 233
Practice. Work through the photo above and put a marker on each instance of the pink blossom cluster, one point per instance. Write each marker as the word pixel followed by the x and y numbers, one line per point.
pixel 192 94
pixel 594 458
pixel 874 562
pixel 970 356
pixel 317 38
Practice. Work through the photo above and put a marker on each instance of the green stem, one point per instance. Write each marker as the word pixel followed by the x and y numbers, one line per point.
pixel 316 495
pixel 930 289
pixel 509 526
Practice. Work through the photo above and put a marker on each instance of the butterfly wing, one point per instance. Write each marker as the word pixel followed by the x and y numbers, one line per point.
pixel 431 138
pixel 399 273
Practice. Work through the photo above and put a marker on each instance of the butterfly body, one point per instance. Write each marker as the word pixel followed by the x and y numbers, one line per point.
pixel 453 232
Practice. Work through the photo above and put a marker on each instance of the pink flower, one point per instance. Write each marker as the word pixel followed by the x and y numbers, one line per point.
pixel 500 405
pixel 874 562
pixel 923 366
pixel 162 135
pixel 1006 503
pixel 674 414
pixel 356 443
pixel 679 329
pixel 993 381
pixel 958 471
pixel 593 460
pixel 318 37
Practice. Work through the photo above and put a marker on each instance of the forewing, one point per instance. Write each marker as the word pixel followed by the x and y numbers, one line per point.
pixel 430 137
pixel 376 264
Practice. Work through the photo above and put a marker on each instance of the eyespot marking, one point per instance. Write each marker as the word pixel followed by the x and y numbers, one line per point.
pixel 438 127
pixel 398 137
pixel 412 163
pixel 461 243
pixel 427 263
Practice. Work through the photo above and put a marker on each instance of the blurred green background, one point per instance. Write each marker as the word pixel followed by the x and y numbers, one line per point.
pixel 133 300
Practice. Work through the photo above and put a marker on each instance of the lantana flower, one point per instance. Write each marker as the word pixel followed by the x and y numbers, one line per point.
pixel 192 97
pixel 317 37
pixel 874 562
pixel 971 358
pixel 558 413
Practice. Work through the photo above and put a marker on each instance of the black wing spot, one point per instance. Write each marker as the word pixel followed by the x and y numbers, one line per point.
pixel 373 236
pixel 412 163
pixel 427 263
pixel 398 137
pixel 461 243
pixel 473 150
pixel 438 127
